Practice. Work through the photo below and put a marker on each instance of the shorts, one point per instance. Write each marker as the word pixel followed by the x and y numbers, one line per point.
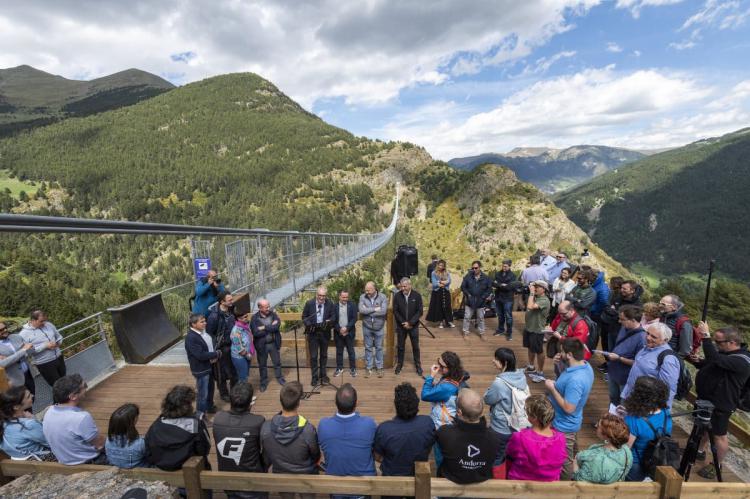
pixel 720 422
pixel 533 341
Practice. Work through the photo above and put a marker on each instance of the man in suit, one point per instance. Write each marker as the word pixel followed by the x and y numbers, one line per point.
pixel 13 352
pixel 345 319
pixel 407 310
pixel 318 317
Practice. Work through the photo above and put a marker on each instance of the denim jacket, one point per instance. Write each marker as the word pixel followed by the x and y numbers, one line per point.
pixel 122 454
pixel 23 437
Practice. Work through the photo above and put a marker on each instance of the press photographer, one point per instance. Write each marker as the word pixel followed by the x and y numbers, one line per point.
pixel 722 376
pixel 207 291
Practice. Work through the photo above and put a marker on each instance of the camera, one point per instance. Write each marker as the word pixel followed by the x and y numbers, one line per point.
pixel 703 410
pixel 217 279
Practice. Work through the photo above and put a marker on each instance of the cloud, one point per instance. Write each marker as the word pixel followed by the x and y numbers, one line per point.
pixel 543 64
pixel 365 52
pixel 635 6
pixel 683 45
pixel 591 105
pixel 718 14
pixel 637 53
pixel 183 56
pixel 613 47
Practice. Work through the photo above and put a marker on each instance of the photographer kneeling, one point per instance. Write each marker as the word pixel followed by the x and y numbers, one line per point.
pixel 721 376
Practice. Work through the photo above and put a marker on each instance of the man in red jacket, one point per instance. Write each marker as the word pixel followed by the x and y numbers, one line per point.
pixel 568 324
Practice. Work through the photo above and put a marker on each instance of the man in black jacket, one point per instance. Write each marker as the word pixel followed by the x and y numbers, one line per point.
pixel 630 294
pixel 219 325
pixel 201 356
pixel 407 310
pixel 345 319
pixel 720 379
pixel 477 289
pixel 237 438
pixel 318 316
pixel 431 267
pixel 504 291
pixel 468 446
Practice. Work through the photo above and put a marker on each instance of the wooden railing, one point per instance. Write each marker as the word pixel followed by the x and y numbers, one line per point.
pixel 197 481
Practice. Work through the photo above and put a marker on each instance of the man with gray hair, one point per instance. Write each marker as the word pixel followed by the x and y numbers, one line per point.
pixel 373 306
pixel 407 310
pixel 673 315
pixel 657 360
pixel 468 446
pixel 318 316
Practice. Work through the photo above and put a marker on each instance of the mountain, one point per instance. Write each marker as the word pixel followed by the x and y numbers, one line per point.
pixel 553 170
pixel 30 97
pixel 675 210
pixel 233 150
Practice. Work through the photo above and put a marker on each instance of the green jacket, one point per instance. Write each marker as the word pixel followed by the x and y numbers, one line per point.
pixel 597 464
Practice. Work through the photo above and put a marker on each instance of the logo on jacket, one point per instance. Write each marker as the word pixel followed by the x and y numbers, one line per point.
pixel 472 451
pixel 231 448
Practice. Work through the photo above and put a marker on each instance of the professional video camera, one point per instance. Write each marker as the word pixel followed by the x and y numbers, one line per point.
pixel 702 413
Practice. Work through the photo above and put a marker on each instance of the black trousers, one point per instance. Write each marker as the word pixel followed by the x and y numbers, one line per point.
pixel 227 372
pixel 317 343
pixel 348 342
pixel 53 370
pixel 28 381
pixel 413 335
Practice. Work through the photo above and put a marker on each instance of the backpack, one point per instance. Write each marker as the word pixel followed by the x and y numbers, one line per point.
pixel 697 338
pixel 663 450
pixel 448 407
pixel 517 418
pixel 684 382
pixel 744 402
pixel 593 338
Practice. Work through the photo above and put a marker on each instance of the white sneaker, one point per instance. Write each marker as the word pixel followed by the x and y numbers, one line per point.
pixel 337 373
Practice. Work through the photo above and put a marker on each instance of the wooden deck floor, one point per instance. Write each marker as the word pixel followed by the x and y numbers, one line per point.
pixel 147 385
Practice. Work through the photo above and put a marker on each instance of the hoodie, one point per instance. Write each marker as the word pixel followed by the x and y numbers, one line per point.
pixel 290 445
pixel 172 441
pixel 39 337
pixel 500 398
pixel 532 456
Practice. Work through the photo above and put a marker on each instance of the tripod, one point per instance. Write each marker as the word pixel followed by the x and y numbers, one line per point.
pixel 426 328
pixel 701 428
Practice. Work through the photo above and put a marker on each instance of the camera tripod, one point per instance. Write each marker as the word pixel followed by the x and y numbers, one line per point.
pixel 701 428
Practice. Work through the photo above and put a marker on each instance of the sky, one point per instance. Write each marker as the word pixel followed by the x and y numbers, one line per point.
pixel 459 78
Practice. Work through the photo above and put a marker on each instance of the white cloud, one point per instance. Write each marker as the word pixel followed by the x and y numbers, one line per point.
pixel 683 45
pixel 719 14
pixel 637 53
pixel 590 106
pixel 365 51
pixel 613 47
pixel 543 64
pixel 635 6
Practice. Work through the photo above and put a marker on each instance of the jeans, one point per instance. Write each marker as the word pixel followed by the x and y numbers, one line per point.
pixel 205 388
pixel 636 473
pixel 469 313
pixel 264 348
pixel 348 342
pixel 504 316
pixel 615 392
pixel 413 334
pixel 373 340
pixel 242 366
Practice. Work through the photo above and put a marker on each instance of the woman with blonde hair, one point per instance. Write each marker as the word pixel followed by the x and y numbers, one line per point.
pixel 440 300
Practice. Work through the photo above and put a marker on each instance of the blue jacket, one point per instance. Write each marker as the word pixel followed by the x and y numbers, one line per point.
pixel 476 291
pixel 23 437
pixel 347 445
pixel 260 334
pixel 443 398
pixel 198 355
pixel 499 397
pixel 435 281
pixel 602 295
pixel 205 295
pixel 351 315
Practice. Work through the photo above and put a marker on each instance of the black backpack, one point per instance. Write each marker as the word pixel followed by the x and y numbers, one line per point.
pixel 593 338
pixel 661 451
pixel 744 402
pixel 684 382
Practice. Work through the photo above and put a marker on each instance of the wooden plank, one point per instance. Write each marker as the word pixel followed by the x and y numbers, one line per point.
pixel 18 468
pixel 191 471
pixel 442 487
pixel 315 484
pixel 692 490
pixel 422 480
pixel 670 482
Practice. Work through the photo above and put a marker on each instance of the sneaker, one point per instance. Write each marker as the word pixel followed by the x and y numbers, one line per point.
pixel 325 379
pixel 353 372
pixel 450 324
pixel 398 370
pixel 337 373
pixel 381 373
pixel 530 368
pixel 498 333
pixel 509 337
pixel 368 372
pixel 537 377
pixel 281 381
pixel 440 326
pixel 263 388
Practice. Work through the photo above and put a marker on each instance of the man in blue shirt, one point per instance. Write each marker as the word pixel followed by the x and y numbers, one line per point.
pixel 406 438
pixel 346 438
pixel 568 396
pixel 647 362
pixel 630 340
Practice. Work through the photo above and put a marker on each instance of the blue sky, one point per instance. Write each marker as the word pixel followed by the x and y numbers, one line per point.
pixel 459 78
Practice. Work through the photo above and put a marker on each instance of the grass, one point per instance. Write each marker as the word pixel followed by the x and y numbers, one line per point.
pixel 15 185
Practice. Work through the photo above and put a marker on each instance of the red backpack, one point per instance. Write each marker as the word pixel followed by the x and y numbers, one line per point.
pixel 697 337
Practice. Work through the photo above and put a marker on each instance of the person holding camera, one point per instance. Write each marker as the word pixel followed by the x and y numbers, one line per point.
pixel 207 291
pixel 721 377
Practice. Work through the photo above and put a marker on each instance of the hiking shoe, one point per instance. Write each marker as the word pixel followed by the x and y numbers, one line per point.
pixel 368 372
pixel 353 372
pixel 708 472
pixel 380 373
pixel 337 373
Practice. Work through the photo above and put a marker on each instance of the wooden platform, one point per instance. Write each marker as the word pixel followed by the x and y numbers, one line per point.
pixel 147 385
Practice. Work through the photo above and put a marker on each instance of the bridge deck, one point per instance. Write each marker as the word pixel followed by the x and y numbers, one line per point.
pixel 146 385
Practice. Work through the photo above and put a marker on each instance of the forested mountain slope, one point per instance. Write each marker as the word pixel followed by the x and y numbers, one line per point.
pixel 675 210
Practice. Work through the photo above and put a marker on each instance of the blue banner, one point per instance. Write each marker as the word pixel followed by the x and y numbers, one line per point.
pixel 201 267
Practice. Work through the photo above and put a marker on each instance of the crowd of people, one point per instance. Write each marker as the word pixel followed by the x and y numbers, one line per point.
pixel 571 315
